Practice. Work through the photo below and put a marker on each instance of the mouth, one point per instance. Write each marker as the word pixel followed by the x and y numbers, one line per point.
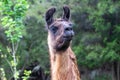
pixel 67 38
pixel 63 43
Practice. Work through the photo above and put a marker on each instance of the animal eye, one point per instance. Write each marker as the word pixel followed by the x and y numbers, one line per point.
pixel 71 24
pixel 54 29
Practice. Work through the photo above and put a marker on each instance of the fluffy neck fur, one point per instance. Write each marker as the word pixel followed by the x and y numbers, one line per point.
pixel 63 64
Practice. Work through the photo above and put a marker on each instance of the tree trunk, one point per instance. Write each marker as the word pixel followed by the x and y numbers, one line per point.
pixel 118 71
pixel 113 78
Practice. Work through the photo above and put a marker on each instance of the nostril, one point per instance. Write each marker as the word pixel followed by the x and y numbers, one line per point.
pixel 66 29
pixel 71 29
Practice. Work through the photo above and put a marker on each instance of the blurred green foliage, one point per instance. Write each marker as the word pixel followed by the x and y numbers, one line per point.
pixel 96 25
pixel 12 13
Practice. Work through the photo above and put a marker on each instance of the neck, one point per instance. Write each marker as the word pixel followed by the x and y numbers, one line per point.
pixel 63 65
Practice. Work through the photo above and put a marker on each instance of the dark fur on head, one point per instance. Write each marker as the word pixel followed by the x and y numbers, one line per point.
pixel 60 30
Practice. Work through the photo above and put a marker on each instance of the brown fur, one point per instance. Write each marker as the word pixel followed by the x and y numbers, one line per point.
pixel 63 62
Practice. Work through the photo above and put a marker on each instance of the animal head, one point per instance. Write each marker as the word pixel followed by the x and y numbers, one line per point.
pixel 60 32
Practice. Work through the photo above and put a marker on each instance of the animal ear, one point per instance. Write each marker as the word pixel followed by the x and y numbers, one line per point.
pixel 49 15
pixel 66 13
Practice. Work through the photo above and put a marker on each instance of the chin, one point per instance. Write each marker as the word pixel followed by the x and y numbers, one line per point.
pixel 63 45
